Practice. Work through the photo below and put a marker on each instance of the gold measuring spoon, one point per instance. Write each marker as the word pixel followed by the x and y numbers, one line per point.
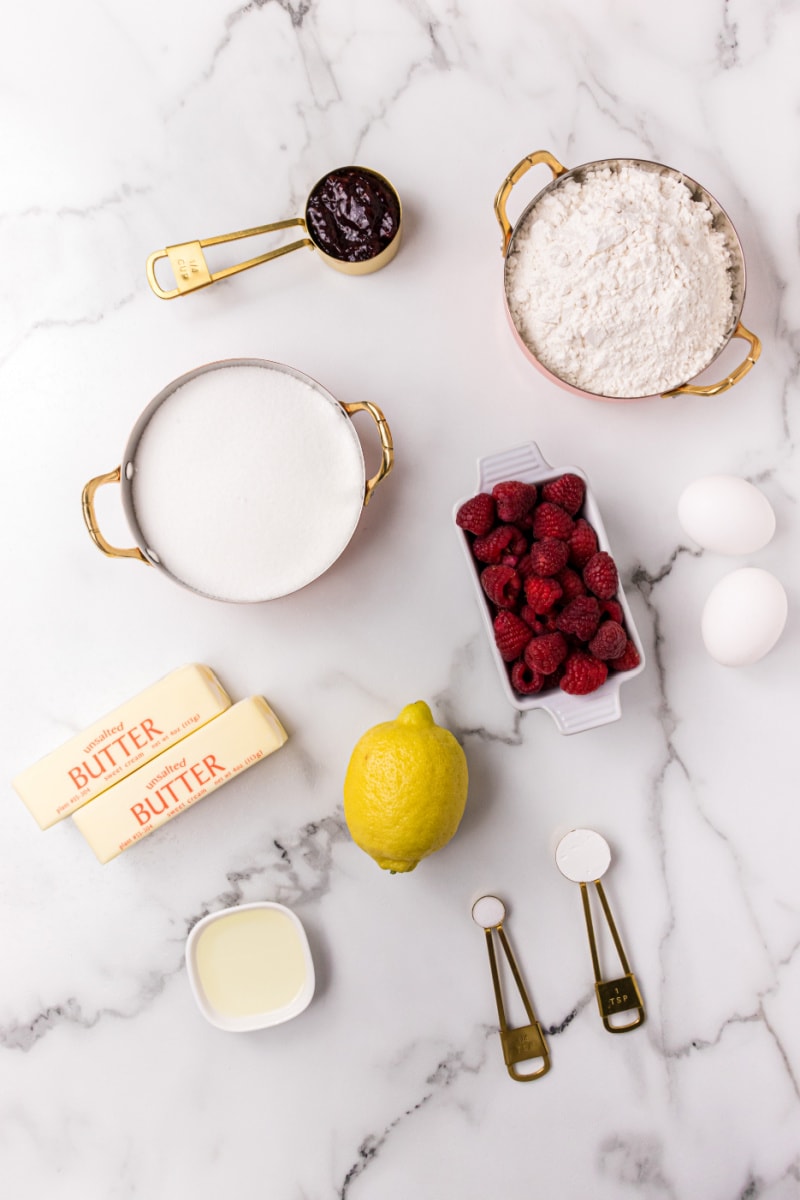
pixel 353 217
pixel 583 856
pixel 526 1042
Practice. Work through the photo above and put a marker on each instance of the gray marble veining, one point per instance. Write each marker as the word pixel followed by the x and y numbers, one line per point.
pixel 129 128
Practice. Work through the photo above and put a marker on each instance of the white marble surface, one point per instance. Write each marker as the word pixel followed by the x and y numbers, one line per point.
pixel 130 126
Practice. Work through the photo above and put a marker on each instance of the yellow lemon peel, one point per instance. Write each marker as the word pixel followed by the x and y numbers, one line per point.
pixel 405 789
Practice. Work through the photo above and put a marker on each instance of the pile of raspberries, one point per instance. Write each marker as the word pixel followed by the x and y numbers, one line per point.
pixel 551 592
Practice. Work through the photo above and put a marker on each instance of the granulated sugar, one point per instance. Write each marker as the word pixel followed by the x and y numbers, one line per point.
pixel 248 482
pixel 619 284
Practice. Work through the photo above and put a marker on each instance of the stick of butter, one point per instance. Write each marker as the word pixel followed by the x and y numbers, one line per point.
pixel 180 777
pixel 120 742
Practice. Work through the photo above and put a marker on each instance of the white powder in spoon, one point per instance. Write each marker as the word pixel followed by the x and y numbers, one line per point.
pixel 619 284
pixel 247 482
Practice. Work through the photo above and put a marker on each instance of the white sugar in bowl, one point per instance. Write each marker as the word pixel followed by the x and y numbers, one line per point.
pixel 243 480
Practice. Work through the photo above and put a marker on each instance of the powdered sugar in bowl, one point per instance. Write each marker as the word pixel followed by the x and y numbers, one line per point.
pixel 623 279
pixel 243 480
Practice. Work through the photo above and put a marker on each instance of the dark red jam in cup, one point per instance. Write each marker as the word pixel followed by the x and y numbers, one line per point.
pixel 353 214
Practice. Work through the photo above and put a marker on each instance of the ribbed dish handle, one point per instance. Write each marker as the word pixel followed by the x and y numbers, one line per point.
pixel 523 463
pixel 574 714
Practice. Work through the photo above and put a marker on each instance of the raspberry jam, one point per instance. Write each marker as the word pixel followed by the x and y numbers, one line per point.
pixel 353 214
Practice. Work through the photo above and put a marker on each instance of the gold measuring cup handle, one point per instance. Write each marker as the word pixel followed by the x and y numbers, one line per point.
pixel 716 389
pixel 91 520
pixel 387 447
pixel 191 269
pixel 501 199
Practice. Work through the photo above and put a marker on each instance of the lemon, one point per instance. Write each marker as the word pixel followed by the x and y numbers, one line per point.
pixel 405 789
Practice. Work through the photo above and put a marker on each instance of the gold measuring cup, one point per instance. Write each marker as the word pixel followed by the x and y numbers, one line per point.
pixel 377 201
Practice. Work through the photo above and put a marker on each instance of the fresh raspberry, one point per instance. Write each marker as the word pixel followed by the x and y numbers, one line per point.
pixel 546 653
pixel 600 575
pixel 524 680
pixel 549 556
pixel 532 619
pixel 582 543
pixel 581 617
pixel 502 585
pixel 613 609
pixel 514 499
pixel 511 635
pixel 477 515
pixel 525 566
pixel 571 584
pixel 627 660
pixel 541 594
pixel 567 491
pixel 490 549
pixel 551 521
pixel 609 641
pixel 583 674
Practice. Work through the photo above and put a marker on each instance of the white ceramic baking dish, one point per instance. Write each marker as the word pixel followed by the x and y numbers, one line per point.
pixel 572 714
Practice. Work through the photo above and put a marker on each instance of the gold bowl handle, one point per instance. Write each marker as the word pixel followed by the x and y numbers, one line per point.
pixel 716 389
pixel 387 447
pixel 191 269
pixel 501 199
pixel 91 520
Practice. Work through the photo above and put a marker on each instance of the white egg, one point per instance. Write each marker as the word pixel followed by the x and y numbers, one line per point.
pixel 744 616
pixel 727 514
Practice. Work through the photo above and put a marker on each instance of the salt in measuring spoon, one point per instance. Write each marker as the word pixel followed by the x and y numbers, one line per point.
pixel 583 856
pixel 526 1042
pixel 353 217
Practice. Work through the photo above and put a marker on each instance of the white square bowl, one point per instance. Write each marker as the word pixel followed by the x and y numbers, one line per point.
pixel 572 714
pixel 256 1020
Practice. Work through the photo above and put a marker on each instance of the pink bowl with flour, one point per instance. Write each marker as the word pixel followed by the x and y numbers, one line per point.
pixel 721 224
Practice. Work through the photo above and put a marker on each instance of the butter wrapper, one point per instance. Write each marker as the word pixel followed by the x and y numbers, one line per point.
pixel 179 777
pixel 120 743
